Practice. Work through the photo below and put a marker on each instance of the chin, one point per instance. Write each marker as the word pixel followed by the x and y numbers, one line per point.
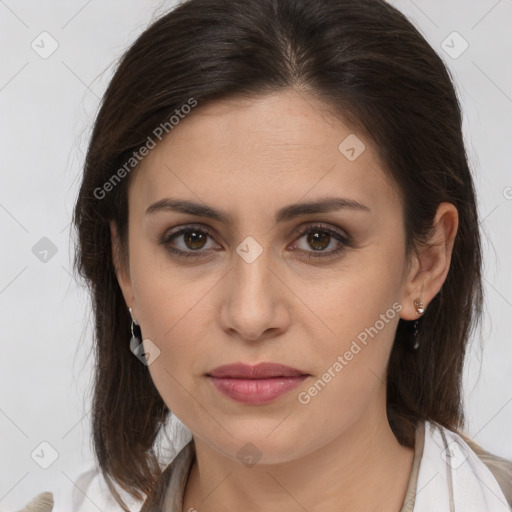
pixel 261 443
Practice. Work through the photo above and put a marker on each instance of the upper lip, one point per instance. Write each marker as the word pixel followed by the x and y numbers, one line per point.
pixel 259 371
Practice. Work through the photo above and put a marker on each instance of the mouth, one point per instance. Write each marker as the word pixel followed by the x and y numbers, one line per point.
pixel 255 385
pixel 259 371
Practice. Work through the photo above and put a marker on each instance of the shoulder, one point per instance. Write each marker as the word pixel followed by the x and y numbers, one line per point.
pixel 499 467
pixel 77 492
pixel 88 487
pixel 43 502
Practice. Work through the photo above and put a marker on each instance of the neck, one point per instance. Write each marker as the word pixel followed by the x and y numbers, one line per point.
pixel 364 468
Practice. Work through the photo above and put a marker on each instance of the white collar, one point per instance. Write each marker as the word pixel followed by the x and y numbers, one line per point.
pixel 452 478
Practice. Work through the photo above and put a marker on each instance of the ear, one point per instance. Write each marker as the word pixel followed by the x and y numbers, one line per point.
pixel 121 267
pixel 431 264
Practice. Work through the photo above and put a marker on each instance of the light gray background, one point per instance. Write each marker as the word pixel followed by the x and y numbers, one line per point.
pixel 47 109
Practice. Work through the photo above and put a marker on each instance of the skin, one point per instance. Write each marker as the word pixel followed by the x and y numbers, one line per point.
pixel 251 158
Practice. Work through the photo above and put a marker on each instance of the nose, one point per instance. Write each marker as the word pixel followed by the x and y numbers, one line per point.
pixel 255 301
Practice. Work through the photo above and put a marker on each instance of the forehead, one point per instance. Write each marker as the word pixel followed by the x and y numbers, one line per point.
pixel 262 153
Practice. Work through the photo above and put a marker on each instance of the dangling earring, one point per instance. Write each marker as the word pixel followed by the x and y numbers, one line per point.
pixel 418 304
pixel 135 340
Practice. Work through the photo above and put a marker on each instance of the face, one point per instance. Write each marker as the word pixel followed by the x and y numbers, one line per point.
pixel 320 291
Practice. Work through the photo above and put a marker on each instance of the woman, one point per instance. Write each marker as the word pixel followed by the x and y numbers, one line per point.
pixel 278 226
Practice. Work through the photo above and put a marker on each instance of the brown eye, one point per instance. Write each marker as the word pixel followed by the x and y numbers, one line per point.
pixel 319 238
pixel 188 241
pixel 195 239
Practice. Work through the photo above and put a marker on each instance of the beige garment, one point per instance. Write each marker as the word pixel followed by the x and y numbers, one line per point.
pixel 41 503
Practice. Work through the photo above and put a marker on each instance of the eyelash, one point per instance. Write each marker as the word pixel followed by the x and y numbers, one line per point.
pixel 345 241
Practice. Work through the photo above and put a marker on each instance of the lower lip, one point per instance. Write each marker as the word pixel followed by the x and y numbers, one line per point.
pixel 256 391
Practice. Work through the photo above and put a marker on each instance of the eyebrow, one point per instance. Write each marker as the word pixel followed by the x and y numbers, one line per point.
pixel 323 205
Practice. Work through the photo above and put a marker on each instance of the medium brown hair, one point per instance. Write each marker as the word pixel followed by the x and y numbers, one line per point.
pixel 382 78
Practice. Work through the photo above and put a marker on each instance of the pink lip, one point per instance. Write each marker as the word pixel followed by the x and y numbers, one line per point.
pixel 256 391
pixel 258 384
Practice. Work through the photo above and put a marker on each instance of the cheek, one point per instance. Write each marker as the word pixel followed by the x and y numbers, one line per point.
pixel 174 318
pixel 176 372
pixel 166 296
pixel 351 366
pixel 173 315
pixel 359 312
pixel 356 296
